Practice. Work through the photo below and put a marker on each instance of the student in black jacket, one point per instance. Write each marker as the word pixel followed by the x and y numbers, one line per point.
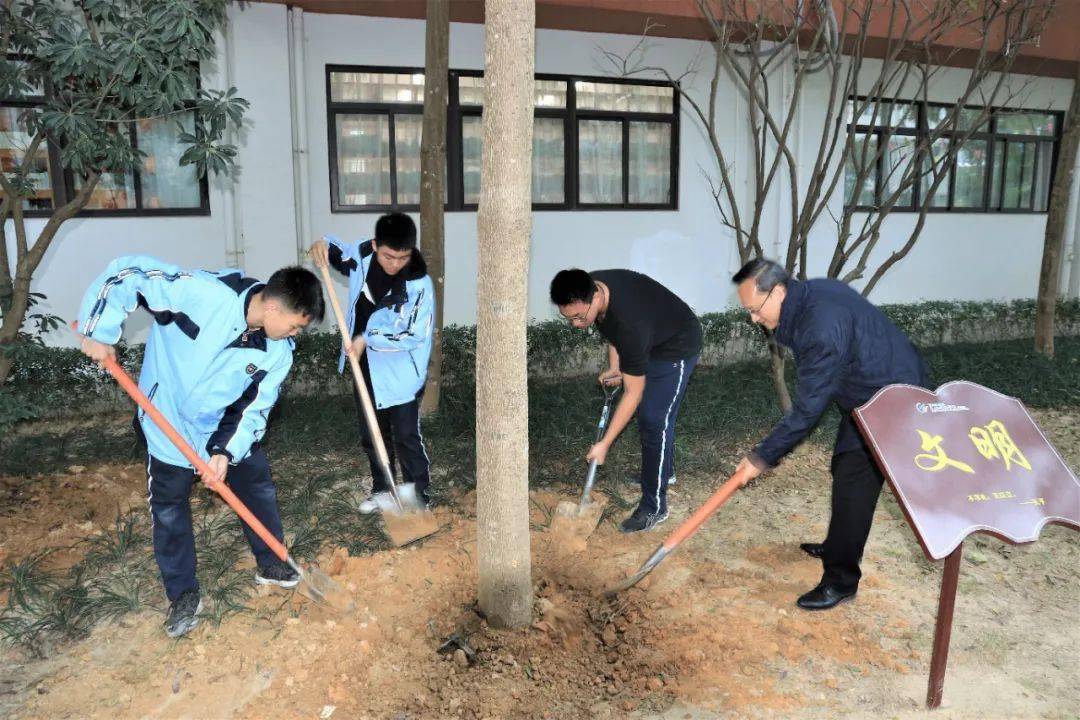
pixel 845 350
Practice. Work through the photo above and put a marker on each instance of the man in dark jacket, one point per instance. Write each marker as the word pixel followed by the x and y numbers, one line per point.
pixel 845 350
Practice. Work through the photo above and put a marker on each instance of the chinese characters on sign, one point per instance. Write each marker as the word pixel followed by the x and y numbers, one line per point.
pixel 992 441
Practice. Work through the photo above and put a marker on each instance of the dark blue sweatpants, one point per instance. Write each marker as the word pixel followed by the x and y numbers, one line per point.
pixel 169 490
pixel 665 387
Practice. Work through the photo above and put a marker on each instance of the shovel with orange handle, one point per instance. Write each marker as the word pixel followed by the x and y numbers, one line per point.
pixel 318 585
pixel 684 531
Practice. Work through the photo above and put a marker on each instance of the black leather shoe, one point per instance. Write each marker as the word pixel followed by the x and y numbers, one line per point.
pixel 813 549
pixel 824 597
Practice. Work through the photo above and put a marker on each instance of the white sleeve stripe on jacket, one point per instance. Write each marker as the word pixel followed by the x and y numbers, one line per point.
pixel 99 306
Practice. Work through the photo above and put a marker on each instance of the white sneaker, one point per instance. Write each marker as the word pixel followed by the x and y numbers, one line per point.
pixel 375 502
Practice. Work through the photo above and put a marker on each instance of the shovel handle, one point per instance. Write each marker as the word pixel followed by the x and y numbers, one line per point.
pixel 361 387
pixel 132 389
pixel 695 521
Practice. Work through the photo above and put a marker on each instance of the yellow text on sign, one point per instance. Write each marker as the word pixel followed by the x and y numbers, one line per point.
pixel 933 457
pixel 993 442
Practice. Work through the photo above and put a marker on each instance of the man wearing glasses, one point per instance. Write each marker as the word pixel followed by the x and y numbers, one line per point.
pixel 654 340
pixel 845 350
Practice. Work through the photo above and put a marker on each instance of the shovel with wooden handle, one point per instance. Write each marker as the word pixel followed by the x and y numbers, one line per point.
pixel 406 520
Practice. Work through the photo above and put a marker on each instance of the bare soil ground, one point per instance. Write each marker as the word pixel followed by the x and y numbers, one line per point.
pixel 714 633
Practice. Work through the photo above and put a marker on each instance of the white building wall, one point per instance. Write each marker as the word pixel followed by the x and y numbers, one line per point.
pixel 958 256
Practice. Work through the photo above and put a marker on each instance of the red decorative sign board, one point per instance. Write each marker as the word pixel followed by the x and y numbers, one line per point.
pixel 965 459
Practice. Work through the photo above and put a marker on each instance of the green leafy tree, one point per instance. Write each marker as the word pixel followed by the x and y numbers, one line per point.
pixel 78 74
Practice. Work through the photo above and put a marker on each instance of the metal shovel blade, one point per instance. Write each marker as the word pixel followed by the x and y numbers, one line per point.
pixel 572 524
pixel 322 589
pixel 408 522
pixel 649 565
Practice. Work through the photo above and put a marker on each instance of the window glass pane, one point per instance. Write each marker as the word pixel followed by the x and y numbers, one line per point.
pixel 14 143
pixel 969 118
pixel 600 161
pixel 650 162
pixel 965 120
pixel 377 87
pixel 1026 123
pixel 548 161
pixel 905 115
pixel 363 157
pixel 620 96
pixel 1019 175
pixel 971 163
pixel 114 191
pixel 471 140
pixel 898 156
pixel 863 155
pixel 165 183
pixel 549 93
pixel 995 180
pixel 407 131
pixel 1042 177
pixel 470 90
pixel 874 111
pixel 935 168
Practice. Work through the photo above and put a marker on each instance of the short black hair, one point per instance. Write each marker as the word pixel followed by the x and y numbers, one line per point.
pixel 572 285
pixel 766 274
pixel 396 231
pixel 299 290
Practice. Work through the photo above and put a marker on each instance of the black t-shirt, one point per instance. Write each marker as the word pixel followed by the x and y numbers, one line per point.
pixel 646 321
pixel 376 284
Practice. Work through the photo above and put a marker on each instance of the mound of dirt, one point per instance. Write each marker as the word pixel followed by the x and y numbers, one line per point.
pixel 417 647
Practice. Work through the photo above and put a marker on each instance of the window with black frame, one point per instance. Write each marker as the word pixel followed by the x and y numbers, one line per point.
pixel 1005 163
pixel 597 144
pixel 158 186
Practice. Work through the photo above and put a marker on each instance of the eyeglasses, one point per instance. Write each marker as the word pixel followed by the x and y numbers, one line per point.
pixel 581 317
pixel 758 310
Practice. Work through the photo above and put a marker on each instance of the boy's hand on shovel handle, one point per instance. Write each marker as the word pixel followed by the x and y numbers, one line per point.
pixel 219 466
pixel 357 348
pixel 320 253
pixel 99 352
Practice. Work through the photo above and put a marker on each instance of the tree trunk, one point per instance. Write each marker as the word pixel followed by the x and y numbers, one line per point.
pixel 433 179
pixel 777 362
pixel 504 223
pixel 13 320
pixel 28 257
pixel 1050 273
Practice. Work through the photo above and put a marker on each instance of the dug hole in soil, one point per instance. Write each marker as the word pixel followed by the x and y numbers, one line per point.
pixel 583 656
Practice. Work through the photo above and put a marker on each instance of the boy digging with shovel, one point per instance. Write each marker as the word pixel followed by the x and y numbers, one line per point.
pixel 219 349
pixel 390 316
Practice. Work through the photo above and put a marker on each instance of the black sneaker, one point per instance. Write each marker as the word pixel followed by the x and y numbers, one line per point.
pixel 183 614
pixel 642 520
pixel 280 574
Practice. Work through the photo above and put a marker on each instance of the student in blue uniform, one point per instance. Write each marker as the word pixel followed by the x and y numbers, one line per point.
pixel 391 311
pixel 219 349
